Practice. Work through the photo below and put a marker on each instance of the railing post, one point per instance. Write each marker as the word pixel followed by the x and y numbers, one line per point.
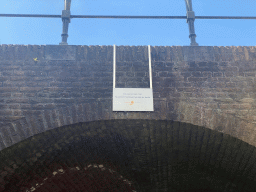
pixel 65 20
pixel 190 21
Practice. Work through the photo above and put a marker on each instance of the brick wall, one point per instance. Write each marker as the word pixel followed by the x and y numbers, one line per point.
pixel 208 86
pixel 48 87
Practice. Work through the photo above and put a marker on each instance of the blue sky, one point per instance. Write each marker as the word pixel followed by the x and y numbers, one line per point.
pixel 155 32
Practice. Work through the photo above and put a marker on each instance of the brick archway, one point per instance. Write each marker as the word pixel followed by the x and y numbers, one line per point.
pixel 150 154
pixel 44 88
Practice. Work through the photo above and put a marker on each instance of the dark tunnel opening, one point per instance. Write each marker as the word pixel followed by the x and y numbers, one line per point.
pixel 129 155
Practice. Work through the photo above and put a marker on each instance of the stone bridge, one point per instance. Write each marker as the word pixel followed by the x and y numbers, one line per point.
pixel 58 131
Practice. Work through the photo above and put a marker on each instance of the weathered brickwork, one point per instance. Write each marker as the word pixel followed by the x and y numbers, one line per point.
pixel 43 88
pixel 208 86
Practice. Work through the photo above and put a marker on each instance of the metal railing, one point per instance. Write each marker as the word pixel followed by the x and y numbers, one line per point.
pixel 66 18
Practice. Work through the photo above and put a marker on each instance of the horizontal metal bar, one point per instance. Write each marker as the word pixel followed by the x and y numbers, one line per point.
pixel 126 17
pixel 158 17
pixel 223 17
pixel 29 15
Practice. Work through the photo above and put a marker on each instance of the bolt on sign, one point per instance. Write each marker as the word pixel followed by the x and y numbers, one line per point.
pixel 132 99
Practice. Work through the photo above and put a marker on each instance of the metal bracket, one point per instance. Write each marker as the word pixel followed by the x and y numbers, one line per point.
pixel 190 15
pixel 192 35
pixel 65 15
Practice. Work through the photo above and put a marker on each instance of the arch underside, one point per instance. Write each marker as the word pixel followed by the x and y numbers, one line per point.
pixel 135 155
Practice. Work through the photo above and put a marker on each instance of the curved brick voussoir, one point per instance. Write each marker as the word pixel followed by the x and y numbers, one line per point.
pixel 15 132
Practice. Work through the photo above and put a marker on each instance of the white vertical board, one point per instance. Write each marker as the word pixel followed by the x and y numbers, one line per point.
pixel 132 99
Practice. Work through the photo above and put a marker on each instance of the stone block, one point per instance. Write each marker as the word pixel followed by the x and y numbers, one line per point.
pixel 63 52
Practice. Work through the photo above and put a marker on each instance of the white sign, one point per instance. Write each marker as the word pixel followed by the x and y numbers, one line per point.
pixel 132 99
